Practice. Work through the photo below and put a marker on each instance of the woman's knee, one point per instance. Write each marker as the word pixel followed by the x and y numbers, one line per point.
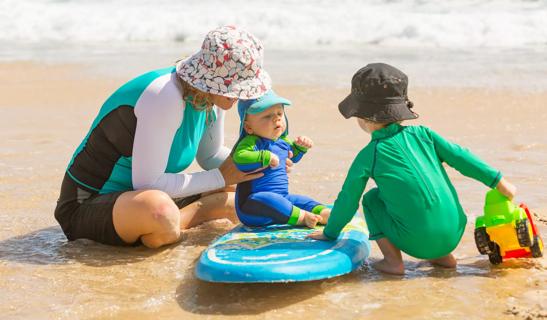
pixel 160 208
pixel 150 212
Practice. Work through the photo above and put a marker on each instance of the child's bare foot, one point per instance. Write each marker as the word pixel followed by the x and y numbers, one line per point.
pixel 446 262
pixel 389 267
pixel 393 261
pixel 324 216
pixel 308 219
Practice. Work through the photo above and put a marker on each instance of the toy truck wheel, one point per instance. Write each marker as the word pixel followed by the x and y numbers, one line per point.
pixel 495 256
pixel 536 248
pixel 482 240
pixel 523 233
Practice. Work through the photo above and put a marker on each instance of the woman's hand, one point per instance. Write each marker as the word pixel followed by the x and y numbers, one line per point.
pixel 303 141
pixel 506 188
pixel 289 163
pixel 232 175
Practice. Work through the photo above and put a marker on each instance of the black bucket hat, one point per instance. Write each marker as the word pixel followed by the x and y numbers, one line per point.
pixel 378 93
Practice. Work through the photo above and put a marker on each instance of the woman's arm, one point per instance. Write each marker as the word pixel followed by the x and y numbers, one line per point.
pixel 159 113
pixel 211 151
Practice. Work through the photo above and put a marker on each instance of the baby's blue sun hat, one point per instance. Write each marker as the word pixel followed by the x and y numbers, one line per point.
pixel 258 105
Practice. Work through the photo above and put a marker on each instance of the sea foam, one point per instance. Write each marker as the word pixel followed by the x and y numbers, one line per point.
pixel 283 23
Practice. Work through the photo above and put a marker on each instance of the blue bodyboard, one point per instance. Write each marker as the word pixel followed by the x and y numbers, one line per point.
pixel 282 253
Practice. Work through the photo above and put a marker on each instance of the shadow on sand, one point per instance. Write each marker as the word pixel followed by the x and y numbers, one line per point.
pixel 209 298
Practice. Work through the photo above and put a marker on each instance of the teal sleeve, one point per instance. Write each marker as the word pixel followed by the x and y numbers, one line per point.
pixel 247 156
pixel 347 202
pixel 464 161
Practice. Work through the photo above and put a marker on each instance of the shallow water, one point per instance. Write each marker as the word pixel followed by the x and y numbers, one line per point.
pixel 44 116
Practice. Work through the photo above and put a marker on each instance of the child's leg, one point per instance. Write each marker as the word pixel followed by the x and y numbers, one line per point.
pixel 379 223
pixel 393 260
pixel 310 205
pixel 446 262
pixel 264 208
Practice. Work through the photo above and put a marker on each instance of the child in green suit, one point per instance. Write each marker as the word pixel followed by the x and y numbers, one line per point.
pixel 414 208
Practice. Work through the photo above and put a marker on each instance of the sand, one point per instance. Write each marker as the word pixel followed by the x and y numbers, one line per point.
pixel 45 110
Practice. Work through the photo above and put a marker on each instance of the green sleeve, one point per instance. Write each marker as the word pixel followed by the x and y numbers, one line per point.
pixel 347 202
pixel 246 153
pixel 296 150
pixel 464 161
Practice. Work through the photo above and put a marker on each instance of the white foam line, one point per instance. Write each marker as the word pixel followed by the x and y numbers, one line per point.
pixel 212 255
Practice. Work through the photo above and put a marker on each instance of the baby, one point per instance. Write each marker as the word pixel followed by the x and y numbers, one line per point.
pixel 264 145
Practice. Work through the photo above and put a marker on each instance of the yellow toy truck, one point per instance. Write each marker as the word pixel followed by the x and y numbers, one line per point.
pixel 506 231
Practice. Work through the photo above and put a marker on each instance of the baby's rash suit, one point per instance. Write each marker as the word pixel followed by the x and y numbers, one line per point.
pixel 414 205
pixel 267 200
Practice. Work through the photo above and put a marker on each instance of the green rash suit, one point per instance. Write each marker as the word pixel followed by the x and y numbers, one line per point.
pixel 414 204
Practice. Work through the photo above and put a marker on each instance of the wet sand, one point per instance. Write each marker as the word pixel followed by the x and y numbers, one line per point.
pixel 45 110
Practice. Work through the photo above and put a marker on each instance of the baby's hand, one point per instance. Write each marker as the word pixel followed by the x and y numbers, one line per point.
pixel 303 141
pixel 274 160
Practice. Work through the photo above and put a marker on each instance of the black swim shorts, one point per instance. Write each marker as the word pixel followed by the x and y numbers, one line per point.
pixel 87 215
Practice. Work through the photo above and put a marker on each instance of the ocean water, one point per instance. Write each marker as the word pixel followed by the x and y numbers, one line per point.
pixel 293 24
pixel 464 43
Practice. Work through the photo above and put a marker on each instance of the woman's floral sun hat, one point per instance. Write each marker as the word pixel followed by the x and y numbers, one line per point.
pixel 229 64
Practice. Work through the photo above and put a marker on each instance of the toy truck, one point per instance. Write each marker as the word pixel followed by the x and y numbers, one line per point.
pixel 506 230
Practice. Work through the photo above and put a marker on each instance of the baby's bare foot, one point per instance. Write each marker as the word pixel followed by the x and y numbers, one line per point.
pixel 324 216
pixel 309 219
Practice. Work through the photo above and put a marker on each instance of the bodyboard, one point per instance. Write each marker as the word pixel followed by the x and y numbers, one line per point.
pixel 282 253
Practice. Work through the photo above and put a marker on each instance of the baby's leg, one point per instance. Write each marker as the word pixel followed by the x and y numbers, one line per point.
pixel 310 205
pixel 393 260
pixel 446 262
pixel 264 208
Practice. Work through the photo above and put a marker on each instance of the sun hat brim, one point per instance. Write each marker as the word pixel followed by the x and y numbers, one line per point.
pixel 203 79
pixel 266 101
pixel 258 105
pixel 387 110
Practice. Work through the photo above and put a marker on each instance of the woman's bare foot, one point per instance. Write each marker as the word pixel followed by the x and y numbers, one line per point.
pixel 308 219
pixel 446 262
pixel 389 267
pixel 324 216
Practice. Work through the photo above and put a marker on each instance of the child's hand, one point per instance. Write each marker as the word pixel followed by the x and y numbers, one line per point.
pixel 274 160
pixel 303 141
pixel 317 235
pixel 506 188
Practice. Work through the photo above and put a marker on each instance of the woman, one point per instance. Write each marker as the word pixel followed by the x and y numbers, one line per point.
pixel 124 182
